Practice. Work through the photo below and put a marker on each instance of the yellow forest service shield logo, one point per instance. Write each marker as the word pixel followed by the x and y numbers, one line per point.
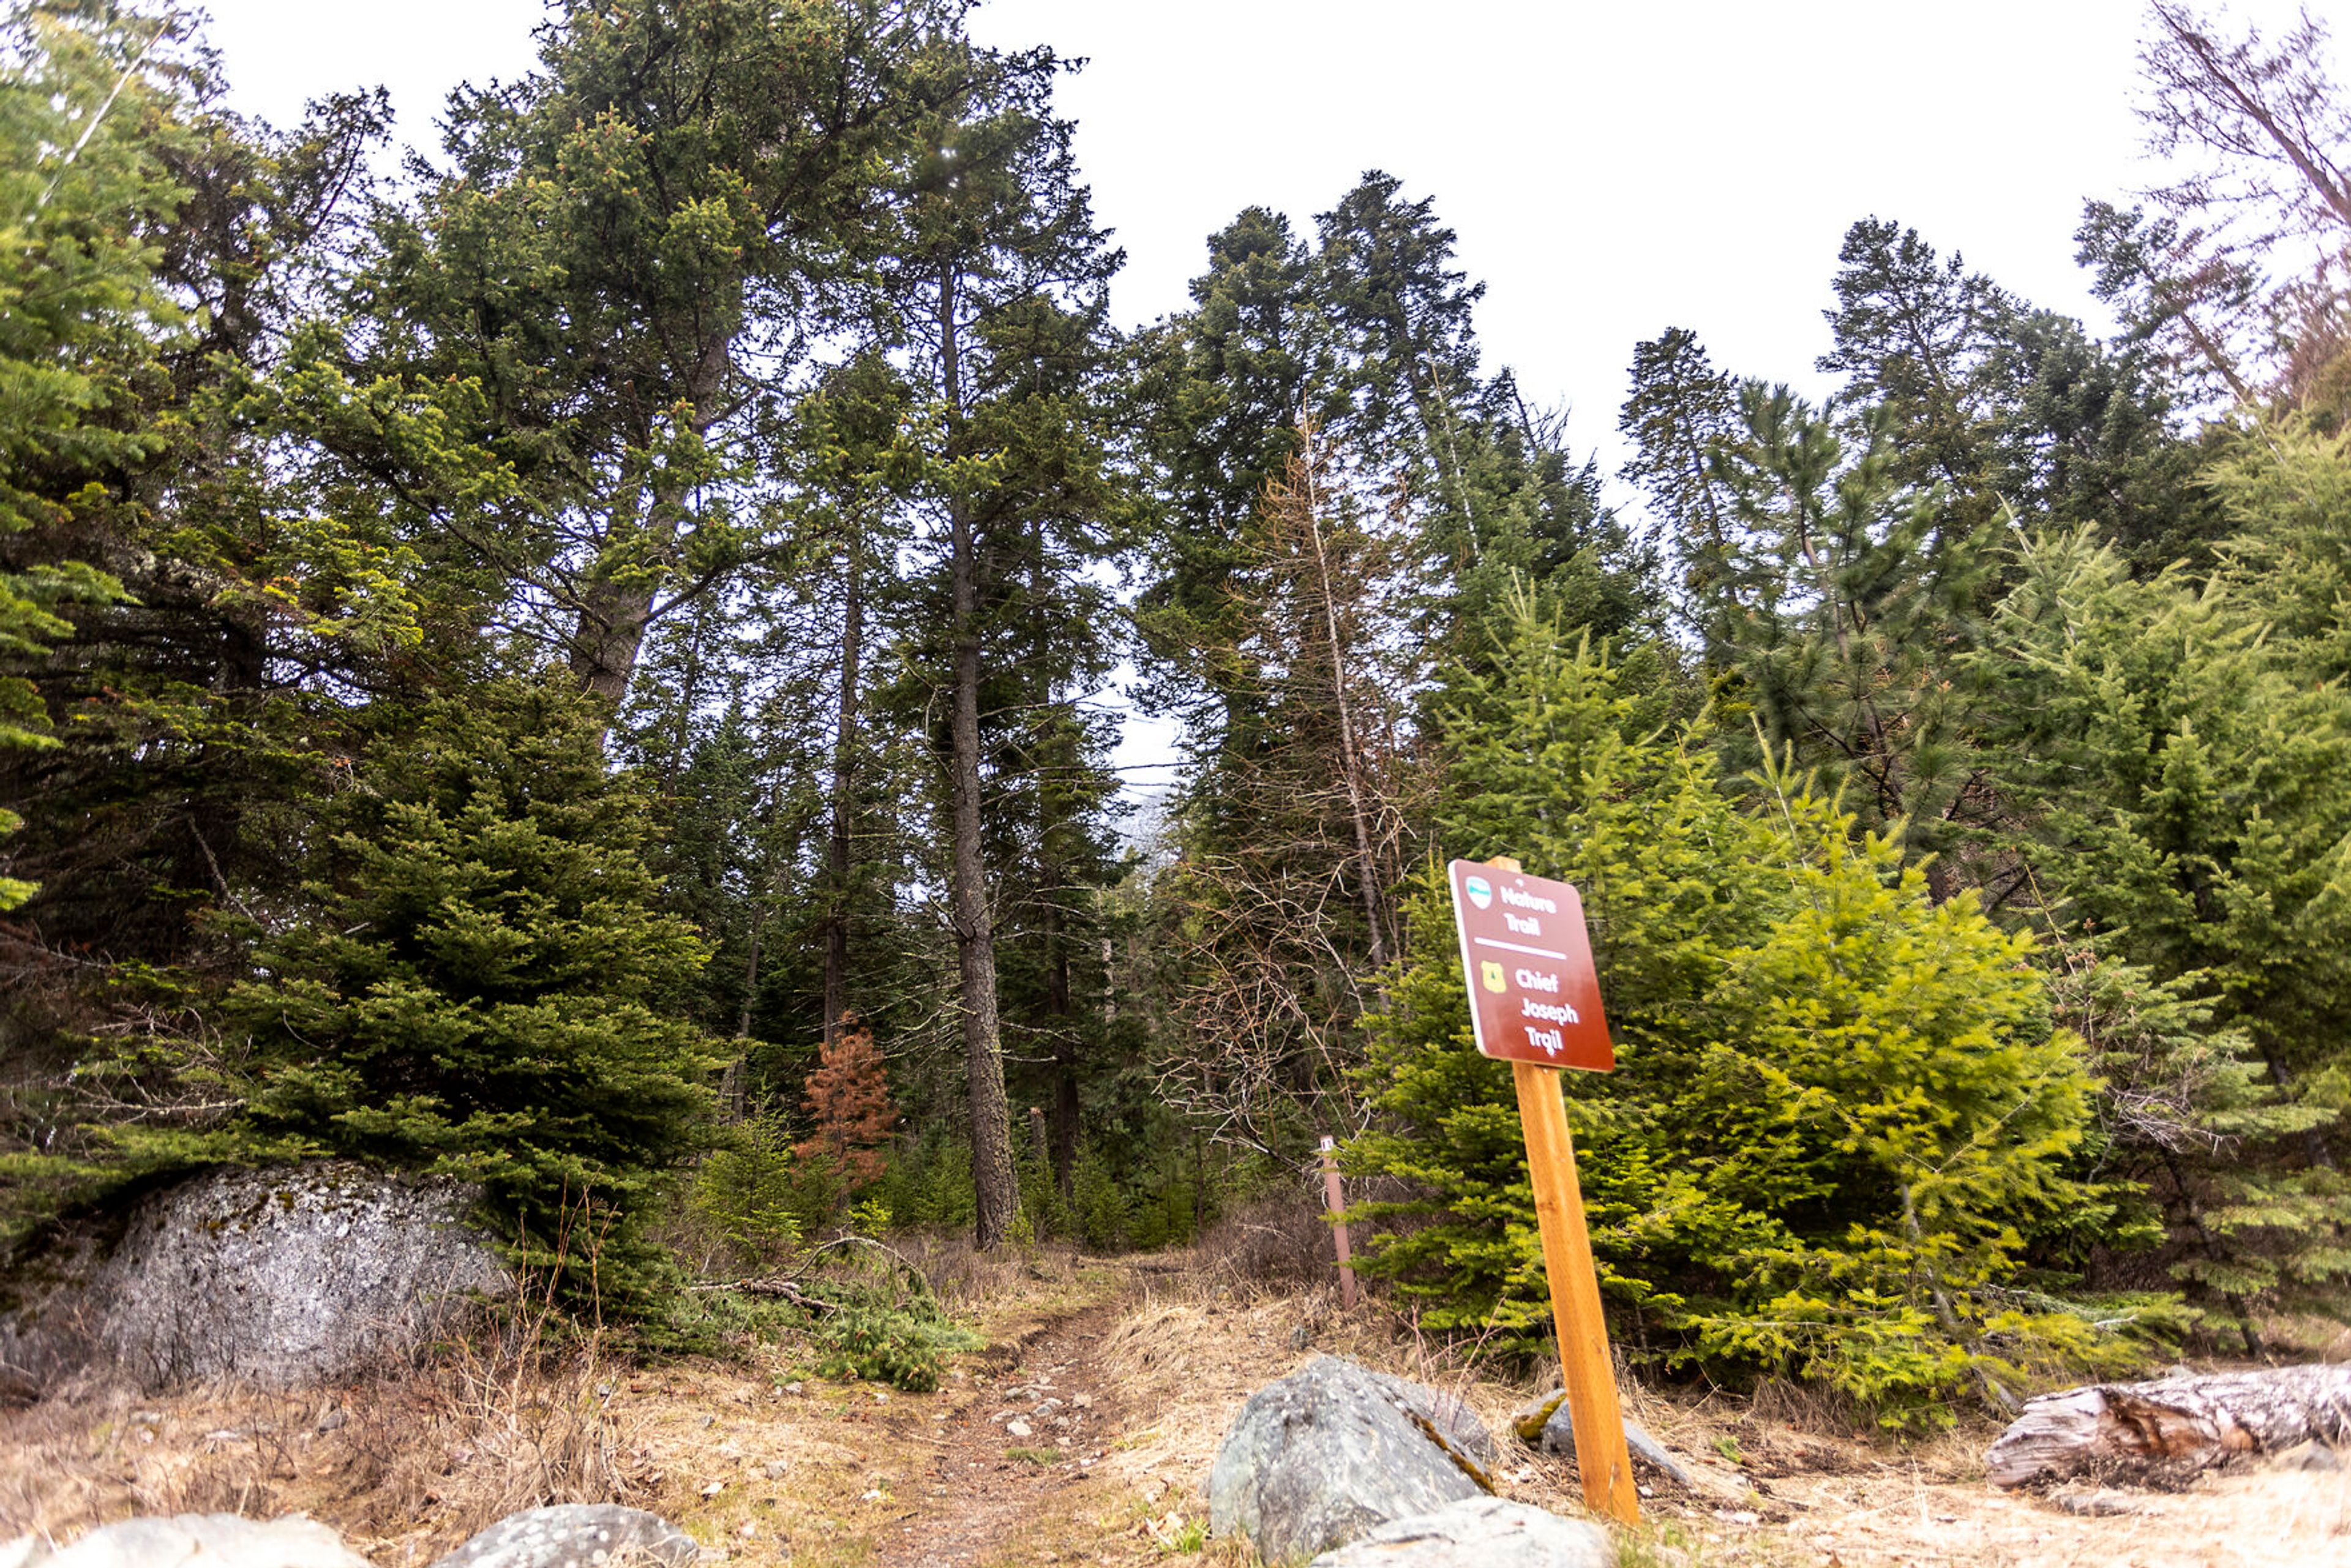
pixel 1491 973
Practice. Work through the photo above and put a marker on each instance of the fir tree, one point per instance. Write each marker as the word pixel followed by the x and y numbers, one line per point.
pixel 1836 1100
pixel 1682 414
pixel 848 1099
pixel 485 989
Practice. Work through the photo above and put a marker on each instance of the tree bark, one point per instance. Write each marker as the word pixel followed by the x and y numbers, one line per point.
pixel 844 784
pixel 1065 1044
pixel 1349 761
pixel 608 631
pixel 995 1186
pixel 2171 1428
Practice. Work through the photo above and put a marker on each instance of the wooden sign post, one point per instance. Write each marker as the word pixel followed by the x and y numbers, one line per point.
pixel 1534 1000
pixel 1335 1198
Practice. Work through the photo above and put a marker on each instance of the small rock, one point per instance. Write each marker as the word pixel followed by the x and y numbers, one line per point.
pixel 2307 1456
pixel 1647 1450
pixel 2100 1504
pixel 1017 1429
pixel 775 1469
pixel 1047 1408
pixel 333 1421
pixel 791 1388
pixel 712 1488
pixel 1081 1401
pixel 1529 1419
pixel 1477 1532
pixel 147 1418
pixel 577 1535
pixel 1737 1516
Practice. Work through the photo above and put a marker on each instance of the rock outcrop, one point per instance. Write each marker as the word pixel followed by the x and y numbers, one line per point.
pixel 1478 1532
pixel 576 1535
pixel 280 1277
pixel 1334 1451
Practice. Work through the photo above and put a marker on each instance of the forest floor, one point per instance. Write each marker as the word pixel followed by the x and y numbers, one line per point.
pixel 1082 1434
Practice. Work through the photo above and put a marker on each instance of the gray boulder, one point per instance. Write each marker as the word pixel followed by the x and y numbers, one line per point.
pixel 1336 1450
pixel 213 1540
pixel 1478 1532
pixel 284 1277
pixel 576 1535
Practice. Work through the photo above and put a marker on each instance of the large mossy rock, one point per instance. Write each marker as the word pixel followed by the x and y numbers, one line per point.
pixel 279 1277
pixel 576 1535
pixel 1478 1532
pixel 193 1541
pixel 1332 1452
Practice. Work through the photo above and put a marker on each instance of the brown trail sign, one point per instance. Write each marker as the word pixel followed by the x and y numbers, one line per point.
pixel 1534 1000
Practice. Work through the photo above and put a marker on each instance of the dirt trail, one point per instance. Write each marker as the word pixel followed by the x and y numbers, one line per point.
pixel 1011 1451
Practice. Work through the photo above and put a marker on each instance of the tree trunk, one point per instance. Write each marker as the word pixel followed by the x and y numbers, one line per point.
pixel 689 693
pixel 608 631
pixel 2172 1428
pixel 997 1188
pixel 1350 759
pixel 609 635
pixel 1065 1044
pixel 844 782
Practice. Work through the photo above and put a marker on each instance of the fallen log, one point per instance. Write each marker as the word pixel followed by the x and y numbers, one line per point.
pixel 2170 1429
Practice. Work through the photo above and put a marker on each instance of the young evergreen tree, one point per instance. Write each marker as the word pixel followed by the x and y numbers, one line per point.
pixel 849 1103
pixel 2181 771
pixel 1860 599
pixel 1836 1099
pixel 484 988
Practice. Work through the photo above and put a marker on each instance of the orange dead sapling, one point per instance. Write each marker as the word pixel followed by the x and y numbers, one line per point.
pixel 849 1095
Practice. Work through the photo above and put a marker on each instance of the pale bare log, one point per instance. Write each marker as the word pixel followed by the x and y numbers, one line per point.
pixel 2170 1429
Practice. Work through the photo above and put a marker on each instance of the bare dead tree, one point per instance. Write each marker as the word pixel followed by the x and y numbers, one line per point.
pixel 2247 271
pixel 1297 828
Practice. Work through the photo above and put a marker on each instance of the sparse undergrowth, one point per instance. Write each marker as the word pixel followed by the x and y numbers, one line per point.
pixel 748 1450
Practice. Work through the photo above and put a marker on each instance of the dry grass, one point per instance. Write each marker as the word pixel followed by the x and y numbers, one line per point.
pixel 405 1464
pixel 778 1467
pixel 1198 1344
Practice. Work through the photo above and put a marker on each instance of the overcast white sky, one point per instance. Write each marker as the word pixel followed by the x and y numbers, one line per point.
pixel 1612 168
